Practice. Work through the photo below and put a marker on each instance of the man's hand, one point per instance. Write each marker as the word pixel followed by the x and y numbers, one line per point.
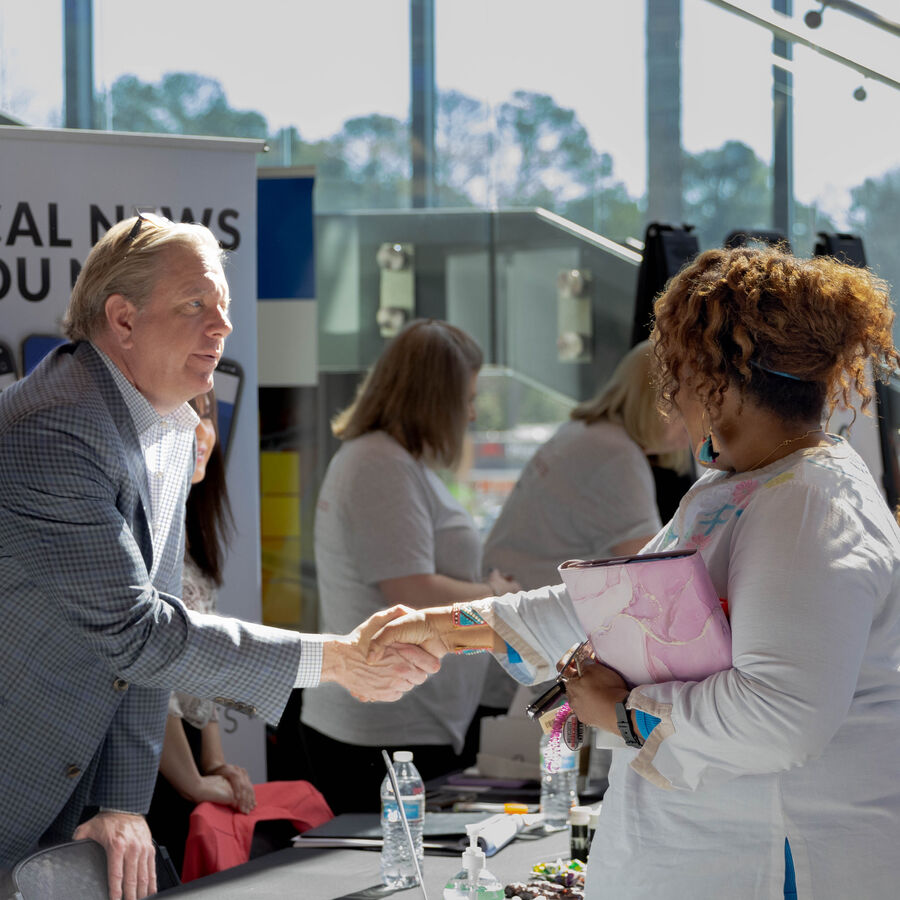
pixel 594 695
pixel 387 676
pixel 130 857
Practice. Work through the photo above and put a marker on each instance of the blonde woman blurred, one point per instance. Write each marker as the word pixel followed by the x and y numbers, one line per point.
pixel 589 492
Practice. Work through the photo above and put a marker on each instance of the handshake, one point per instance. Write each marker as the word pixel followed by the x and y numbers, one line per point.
pixel 391 652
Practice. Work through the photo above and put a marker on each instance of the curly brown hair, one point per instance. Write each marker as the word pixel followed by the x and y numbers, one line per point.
pixel 744 317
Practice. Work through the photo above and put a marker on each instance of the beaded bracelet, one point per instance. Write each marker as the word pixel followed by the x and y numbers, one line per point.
pixel 461 614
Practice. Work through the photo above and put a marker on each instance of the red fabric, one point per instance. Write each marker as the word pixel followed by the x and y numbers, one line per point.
pixel 220 837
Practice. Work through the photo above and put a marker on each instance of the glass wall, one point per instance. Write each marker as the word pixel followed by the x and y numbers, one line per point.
pixel 541 106
pixel 326 83
pixel 542 115
pixel 727 128
pixel 847 177
pixel 534 106
pixel 31 63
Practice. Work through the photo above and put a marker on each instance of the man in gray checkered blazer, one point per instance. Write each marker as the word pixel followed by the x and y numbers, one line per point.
pixel 96 452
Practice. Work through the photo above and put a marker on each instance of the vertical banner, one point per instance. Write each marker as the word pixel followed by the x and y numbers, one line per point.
pixel 286 313
pixel 60 191
pixel 288 375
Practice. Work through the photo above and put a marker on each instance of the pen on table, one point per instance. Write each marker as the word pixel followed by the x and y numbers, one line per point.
pixel 509 808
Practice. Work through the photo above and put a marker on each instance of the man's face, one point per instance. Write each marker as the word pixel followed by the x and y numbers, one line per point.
pixel 179 335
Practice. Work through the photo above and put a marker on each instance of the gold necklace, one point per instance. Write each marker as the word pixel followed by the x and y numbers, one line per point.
pixel 784 444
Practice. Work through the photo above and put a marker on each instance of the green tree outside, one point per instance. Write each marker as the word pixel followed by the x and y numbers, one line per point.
pixel 528 151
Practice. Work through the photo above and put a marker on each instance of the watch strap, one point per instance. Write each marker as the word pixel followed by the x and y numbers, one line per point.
pixel 625 729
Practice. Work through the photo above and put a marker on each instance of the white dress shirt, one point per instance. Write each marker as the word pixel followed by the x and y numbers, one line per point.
pixel 168 447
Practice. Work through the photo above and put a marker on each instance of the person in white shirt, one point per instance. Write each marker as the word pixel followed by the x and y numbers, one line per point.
pixel 588 492
pixel 388 531
pixel 778 776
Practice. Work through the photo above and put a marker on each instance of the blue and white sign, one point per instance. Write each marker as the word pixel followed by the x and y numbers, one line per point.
pixel 286 315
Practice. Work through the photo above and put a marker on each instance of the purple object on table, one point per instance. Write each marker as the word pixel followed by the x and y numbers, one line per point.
pixel 459 778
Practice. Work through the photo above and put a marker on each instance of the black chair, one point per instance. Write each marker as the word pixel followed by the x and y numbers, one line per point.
pixel 75 869
pixel 61 872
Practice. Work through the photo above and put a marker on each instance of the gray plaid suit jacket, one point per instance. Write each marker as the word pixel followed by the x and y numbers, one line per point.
pixel 89 647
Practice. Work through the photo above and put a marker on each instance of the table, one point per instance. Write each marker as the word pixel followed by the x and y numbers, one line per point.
pixel 327 874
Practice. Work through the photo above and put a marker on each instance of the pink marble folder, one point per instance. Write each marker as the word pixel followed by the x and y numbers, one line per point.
pixel 652 618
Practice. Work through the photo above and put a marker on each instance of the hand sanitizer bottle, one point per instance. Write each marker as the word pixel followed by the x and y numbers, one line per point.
pixel 473 880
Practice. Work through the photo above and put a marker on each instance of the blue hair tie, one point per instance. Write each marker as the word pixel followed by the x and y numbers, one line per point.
pixel 763 368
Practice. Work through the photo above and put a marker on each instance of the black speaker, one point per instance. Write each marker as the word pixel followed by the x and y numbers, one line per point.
pixel 847 248
pixel 667 248
pixel 889 438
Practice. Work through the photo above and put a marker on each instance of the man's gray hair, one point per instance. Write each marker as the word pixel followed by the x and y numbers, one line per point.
pixel 127 261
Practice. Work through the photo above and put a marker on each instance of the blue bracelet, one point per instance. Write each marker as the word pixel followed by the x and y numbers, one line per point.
pixel 644 722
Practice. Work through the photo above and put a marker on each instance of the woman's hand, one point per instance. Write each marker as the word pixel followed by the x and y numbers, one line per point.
pixel 416 627
pixel 502 584
pixel 243 795
pixel 594 695
pixel 428 631
pixel 413 651
pixel 214 788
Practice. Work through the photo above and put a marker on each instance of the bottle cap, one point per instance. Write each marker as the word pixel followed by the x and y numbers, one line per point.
pixel 580 815
pixel 403 756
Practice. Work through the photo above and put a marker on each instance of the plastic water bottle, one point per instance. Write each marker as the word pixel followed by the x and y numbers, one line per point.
pixel 474 880
pixel 397 867
pixel 559 782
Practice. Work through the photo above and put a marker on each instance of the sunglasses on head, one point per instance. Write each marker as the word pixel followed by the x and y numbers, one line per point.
pixel 141 217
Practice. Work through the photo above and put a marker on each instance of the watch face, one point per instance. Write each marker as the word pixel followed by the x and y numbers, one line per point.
pixel 573 732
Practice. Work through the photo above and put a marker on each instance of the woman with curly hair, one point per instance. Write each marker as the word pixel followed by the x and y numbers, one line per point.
pixel 779 776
